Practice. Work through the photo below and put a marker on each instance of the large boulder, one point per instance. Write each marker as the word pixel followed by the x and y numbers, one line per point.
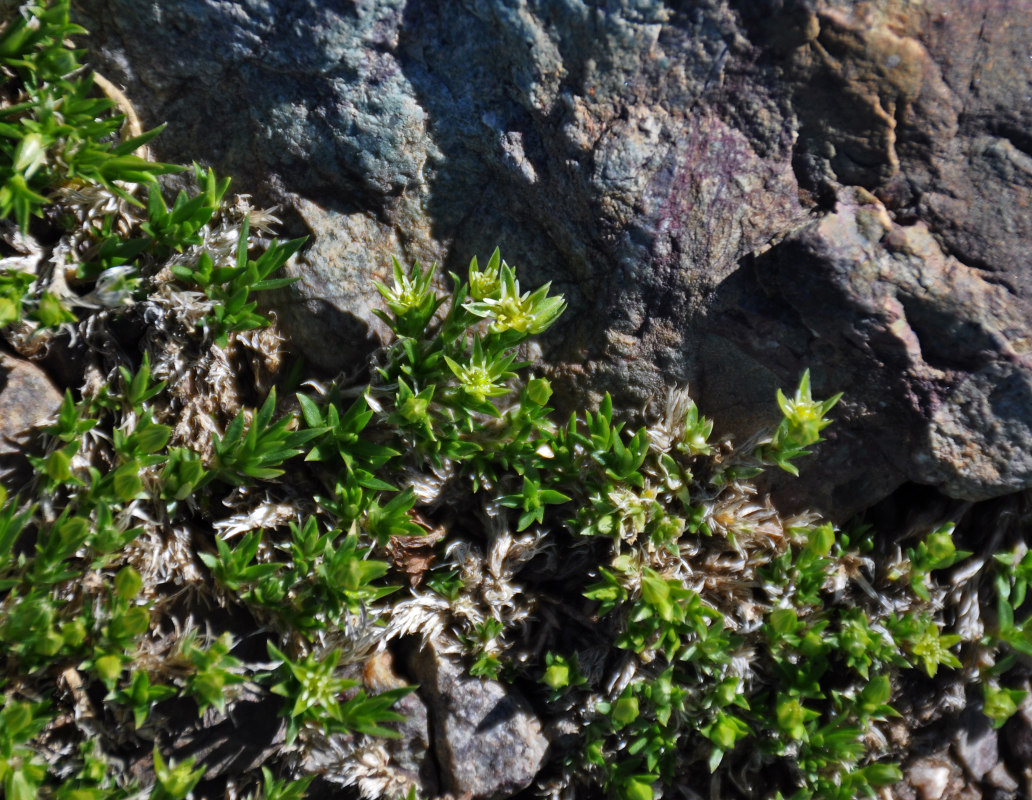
pixel 727 192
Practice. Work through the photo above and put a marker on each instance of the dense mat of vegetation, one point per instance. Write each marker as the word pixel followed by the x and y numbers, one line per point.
pixel 189 535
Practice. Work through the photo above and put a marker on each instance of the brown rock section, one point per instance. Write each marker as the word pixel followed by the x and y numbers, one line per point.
pixel 934 354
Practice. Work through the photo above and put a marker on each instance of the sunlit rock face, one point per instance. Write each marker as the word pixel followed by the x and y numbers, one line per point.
pixel 726 192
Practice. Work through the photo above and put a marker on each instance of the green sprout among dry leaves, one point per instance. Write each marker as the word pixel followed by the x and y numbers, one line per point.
pixel 724 637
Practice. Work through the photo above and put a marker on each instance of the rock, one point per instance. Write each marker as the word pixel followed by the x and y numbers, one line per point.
pixel 488 741
pixel 974 186
pixel 1016 737
pixel 930 776
pixel 27 397
pixel 975 744
pixel 914 323
pixel 679 173
pixel 999 778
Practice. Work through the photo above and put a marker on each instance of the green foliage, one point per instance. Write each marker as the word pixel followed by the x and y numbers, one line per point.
pixel 481 378
pixel 233 568
pixel 499 300
pixel 482 643
pixel 78 597
pixel 174 780
pixel 410 300
pixel 326 576
pixel 256 449
pixel 446 583
pixel 392 518
pixel 1011 584
pixel 22 771
pixel 141 696
pixel 1000 703
pixel 182 476
pixel 181 226
pixel 14 286
pixel 562 673
pixel 454 397
pixel 444 375
pixel 803 420
pixel 275 789
pixel 57 136
pixel 138 388
pixel 532 501
pixel 341 441
pixel 230 287
pixel 55 130
pixel 937 551
pixel 312 691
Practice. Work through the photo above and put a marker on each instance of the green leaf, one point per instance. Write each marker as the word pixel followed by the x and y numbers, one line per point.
pixel 108 668
pixel 241 458
pixel 875 693
pixel 392 519
pixel 273 789
pixel 127 483
pixel 128 583
pixel 792 717
pixel 175 780
pixel 1001 704
pixel 625 711
pixel 637 787
pixel 880 774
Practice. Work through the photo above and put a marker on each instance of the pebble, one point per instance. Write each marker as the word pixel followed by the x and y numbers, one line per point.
pixel 488 741
pixel 930 777
pixel 1000 778
pixel 975 744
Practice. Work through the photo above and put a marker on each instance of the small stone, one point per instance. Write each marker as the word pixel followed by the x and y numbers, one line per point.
pixel 1000 778
pixel 930 777
pixel 488 740
pixel 976 745
pixel 27 397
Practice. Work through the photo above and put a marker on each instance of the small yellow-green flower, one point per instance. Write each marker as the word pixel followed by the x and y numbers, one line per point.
pixel 805 415
pixel 480 377
pixel 409 291
pixel 486 283
pixel 526 313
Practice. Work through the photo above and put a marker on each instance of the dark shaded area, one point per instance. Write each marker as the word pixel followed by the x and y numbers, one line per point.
pixel 348 337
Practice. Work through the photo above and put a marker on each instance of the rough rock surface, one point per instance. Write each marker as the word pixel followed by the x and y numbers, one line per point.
pixel 682 172
pixel 488 740
pixel 976 744
pixel 933 778
pixel 27 397
pixel 927 346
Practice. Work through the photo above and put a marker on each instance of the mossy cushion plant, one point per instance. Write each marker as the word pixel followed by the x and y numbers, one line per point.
pixel 706 640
